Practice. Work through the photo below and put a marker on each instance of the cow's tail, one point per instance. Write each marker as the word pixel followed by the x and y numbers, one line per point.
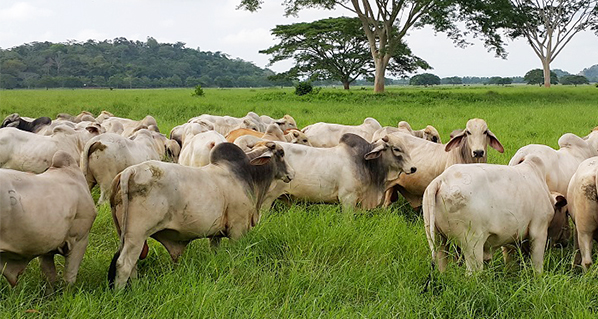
pixel 84 161
pixel 120 196
pixel 429 210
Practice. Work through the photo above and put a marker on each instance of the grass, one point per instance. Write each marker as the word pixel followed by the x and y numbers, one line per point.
pixel 314 260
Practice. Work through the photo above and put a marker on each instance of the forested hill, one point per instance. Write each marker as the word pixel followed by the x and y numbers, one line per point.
pixel 122 63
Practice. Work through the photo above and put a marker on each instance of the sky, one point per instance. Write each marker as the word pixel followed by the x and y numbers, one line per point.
pixel 219 26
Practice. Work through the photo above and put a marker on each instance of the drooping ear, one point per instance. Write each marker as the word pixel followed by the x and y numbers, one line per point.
pixel 262 159
pixel 12 124
pixel 93 129
pixel 455 141
pixel 561 201
pixel 296 133
pixel 494 143
pixel 270 145
pixel 376 152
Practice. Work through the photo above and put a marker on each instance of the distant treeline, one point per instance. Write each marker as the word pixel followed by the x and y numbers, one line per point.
pixel 122 63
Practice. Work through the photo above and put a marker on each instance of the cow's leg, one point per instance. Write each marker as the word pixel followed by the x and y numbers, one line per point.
pixel 348 201
pixel 127 260
pixel 538 237
pixel 46 263
pixel 585 248
pixel 441 254
pixel 473 252
pixel 12 269
pixel 388 195
pixel 73 259
pixel 577 256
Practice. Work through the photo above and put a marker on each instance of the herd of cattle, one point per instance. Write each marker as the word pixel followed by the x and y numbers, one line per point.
pixel 225 169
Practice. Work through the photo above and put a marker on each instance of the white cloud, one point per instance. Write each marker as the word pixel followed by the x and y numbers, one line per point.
pixel 23 11
pixel 253 37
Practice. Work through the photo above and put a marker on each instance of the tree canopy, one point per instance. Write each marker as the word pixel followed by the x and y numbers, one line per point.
pixel 386 23
pixel 425 79
pixel 124 63
pixel 333 49
pixel 548 25
pixel 574 80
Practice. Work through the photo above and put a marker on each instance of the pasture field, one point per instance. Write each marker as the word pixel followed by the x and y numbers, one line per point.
pixel 313 260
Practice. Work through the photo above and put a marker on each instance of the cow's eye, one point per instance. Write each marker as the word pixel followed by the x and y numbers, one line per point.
pixel 468 132
pixel 396 149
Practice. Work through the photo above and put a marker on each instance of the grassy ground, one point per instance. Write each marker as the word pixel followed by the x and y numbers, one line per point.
pixel 314 260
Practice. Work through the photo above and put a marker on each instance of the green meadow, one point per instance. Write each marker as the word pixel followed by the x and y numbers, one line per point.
pixel 314 260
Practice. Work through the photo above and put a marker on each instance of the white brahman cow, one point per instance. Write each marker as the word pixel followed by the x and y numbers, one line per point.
pixel 353 173
pixel 29 152
pixel 560 164
pixel 328 135
pixel 480 207
pixel 108 154
pixel 583 208
pixel 469 146
pixel 176 204
pixel 197 149
pixel 43 215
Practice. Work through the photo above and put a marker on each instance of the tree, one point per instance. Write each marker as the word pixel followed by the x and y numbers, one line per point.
pixel 425 79
pixel 574 80
pixel 548 26
pixel 334 48
pixel 386 22
pixel 500 80
pixel 454 80
pixel 536 76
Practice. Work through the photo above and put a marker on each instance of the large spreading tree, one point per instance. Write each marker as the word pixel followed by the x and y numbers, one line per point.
pixel 548 25
pixel 334 48
pixel 386 22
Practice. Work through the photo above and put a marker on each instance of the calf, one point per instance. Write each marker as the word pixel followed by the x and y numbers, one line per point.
pixel 484 206
pixel 176 204
pixel 43 215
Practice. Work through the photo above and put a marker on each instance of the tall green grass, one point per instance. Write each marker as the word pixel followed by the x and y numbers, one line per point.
pixel 315 260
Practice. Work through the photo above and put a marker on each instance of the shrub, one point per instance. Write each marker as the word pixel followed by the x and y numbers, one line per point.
pixel 303 88
pixel 198 91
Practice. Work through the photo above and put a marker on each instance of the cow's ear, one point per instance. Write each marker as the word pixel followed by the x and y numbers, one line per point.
pixel 561 201
pixel 296 133
pixel 494 143
pixel 455 141
pixel 262 159
pixel 93 129
pixel 376 152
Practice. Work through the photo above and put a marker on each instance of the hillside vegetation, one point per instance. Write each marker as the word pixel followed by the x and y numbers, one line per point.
pixel 121 63
pixel 314 260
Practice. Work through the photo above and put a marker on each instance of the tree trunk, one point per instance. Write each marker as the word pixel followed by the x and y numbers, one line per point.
pixel 546 67
pixel 380 62
pixel 346 85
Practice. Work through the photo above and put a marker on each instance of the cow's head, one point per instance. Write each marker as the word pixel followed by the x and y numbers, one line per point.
pixel 559 231
pixel 286 122
pixel 393 150
pixel 269 152
pixel 474 140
